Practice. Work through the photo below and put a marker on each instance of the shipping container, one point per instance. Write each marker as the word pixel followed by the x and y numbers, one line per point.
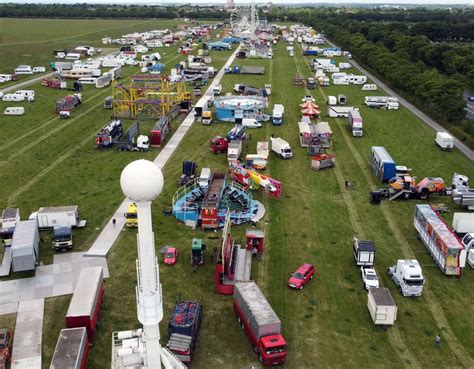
pixel 381 306
pixel 25 246
pixel 86 301
pixel 71 349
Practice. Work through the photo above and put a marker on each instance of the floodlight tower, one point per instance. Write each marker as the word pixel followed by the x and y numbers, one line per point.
pixel 142 182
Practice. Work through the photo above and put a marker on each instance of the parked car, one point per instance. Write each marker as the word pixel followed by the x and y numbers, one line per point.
pixel 369 278
pixel 471 98
pixel 171 256
pixel 302 276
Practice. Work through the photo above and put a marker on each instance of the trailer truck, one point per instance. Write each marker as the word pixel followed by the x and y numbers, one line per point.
pixel 355 122
pixel 183 328
pixel 260 323
pixel 277 115
pixel 281 147
pixel 84 308
pixel 408 277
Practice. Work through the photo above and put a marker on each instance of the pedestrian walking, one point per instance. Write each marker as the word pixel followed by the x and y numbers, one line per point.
pixel 114 221
pixel 346 183
pixel 437 341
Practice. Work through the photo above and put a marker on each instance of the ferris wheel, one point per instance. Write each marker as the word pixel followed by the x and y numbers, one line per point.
pixel 243 20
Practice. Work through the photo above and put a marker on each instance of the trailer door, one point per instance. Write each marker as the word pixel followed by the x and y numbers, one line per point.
pixel 44 221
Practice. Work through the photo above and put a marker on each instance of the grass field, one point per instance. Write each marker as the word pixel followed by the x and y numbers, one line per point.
pixel 327 324
pixel 31 41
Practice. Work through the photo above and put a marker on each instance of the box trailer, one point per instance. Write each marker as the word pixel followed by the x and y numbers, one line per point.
pixel 463 223
pixel 381 306
pixel 339 111
pixel 71 349
pixel 25 246
pixel 442 243
pixel 364 252
pixel 86 301
pixel 382 164
pixel 160 131
pixel 10 217
pixel 444 140
pixel 260 323
pixel 183 329
pixel 50 217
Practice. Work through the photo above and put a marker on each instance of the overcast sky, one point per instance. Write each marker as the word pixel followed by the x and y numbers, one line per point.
pixel 468 2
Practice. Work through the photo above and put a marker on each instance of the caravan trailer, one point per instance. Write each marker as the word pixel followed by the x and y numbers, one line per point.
pixel 14 110
pixel 369 87
pixel 24 69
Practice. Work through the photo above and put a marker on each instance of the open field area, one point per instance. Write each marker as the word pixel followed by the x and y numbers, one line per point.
pixel 47 162
pixel 31 41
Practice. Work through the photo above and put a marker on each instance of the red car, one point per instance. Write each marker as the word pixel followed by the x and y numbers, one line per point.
pixel 171 256
pixel 302 276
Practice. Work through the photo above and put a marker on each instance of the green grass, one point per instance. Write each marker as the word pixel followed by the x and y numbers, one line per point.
pixel 327 324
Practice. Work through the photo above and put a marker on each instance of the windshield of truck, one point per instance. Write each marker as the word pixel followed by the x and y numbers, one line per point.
pixel 357 129
pixel 131 216
pixel 414 282
pixel 62 238
pixel 287 151
pixel 275 350
pixel 467 239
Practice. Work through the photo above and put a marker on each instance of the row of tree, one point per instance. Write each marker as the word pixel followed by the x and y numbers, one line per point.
pixel 435 75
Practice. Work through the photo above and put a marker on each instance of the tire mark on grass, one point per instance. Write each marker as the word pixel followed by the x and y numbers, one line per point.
pixel 42 173
pixel 44 125
pixel 42 138
pixel 402 351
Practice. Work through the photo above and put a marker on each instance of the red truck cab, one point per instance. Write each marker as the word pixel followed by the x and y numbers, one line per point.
pixel 218 144
pixel 260 323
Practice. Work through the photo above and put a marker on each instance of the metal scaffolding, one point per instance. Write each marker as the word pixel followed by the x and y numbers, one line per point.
pixel 149 96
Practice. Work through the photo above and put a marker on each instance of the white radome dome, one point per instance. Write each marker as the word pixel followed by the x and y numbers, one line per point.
pixel 142 180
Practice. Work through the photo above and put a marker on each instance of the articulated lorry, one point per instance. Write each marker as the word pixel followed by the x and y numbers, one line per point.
pixel 408 277
pixel 260 323
pixel 183 328
pixel 355 123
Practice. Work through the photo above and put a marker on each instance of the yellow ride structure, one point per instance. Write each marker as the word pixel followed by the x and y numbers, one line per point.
pixel 150 96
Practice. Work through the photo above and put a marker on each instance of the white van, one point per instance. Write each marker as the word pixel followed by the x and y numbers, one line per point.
pixel 39 69
pixel 14 110
pixel 87 80
pixel 6 77
pixel 251 123
pixel 369 87
pixel 205 177
pixel 13 97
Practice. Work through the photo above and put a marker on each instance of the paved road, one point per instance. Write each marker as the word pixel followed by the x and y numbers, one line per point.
pixel 425 118
pixel 111 231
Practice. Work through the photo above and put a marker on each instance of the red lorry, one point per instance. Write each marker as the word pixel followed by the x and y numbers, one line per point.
pixel 86 301
pixel 219 144
pixel 260 323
